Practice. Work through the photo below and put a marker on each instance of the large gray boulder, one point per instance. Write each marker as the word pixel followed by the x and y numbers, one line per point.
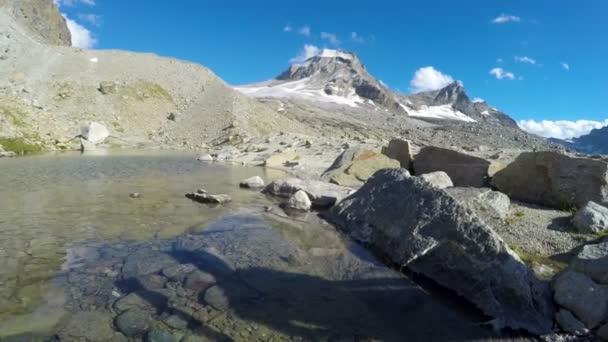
pixel 321 194
pixel 94 132
pixel 590 219
pixel 418 226
pixel 354 166
pixel 581 295
pixel 464 169
pixel 555 180
pixel 592 260
pixel 483 201
pixel 400 150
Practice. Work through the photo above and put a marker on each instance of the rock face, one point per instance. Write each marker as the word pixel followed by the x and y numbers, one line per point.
pixel 483 201
pixel 579 294
pixel 42 19
pixel 438 179
pixel 424 228
pixel 299 201
pixel 592 260
pixel 354 166
pixel 399 150
pixel 555 180
pixel 94 132
pixel 592 218
pixel 463 169
pixel 321 194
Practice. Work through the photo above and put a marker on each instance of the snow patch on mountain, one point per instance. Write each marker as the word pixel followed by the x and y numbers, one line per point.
pixel 444 112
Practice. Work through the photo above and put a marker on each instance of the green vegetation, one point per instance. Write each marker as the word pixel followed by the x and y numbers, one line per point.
pixel 13 115
pixel 19 145
pixel 64 90
pixel 532 260
pixel 147 90
pixel 519 213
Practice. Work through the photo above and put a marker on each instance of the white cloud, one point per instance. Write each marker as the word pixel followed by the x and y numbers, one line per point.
pixel 287 28
pixel 428 78
pixel 566 66
pixel 499 60
pixel 355 37
pixel 92 19
pixel 561 129
pixel 500 74
pixel 478 100
pixel 505 18
pixel 331 38
pixel 305 30
pixel 81 36
pixel 307 52
pixel 525 59
pixel 74 2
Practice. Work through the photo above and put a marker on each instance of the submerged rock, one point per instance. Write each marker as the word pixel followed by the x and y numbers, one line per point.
pixel 321 194
pixel 133 323
pixel 354 166
pixel 555 180
pixel 592 218
pixel 203 197
pixel 299 201
pixel 424 228
pixel 439 179
pixel 89 326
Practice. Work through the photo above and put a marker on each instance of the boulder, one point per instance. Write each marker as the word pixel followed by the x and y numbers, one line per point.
pixel 107 87
pixel 579 294
pixel 418 226
pixel 555 180
pixel 592 260
pixel 354 166
pixel 284 158
pixel 438 179
pixel 483 201
pixel 299 201
pixel 202 196
pixel 464 169
pixel 400 150
pixel 569 323
pixel 254 182
pixel 321 194
pixel 602 332
pixel 591 219
pixel 205 158
pixel 94 132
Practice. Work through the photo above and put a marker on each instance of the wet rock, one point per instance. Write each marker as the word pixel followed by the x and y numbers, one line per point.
pixel 483 201
pixel 569 323
pixel 579 294
pixel 94 132
pixel 144 300
pixel 133 323
pixel 354 166
pixel 438 179
pixel 321 194
pixel 199 281
pixel 282 159
pixel 162 336
pixel 400 150
pixel 591 219
pixel 555 180
pixel 178 271
pixel 205 158
pixel 299 201
pixel 202 196
pixel 176 322
pixel 255 182
pixel 152 281
pixel 419 226
pixel 592 260
pixel 465 170
pixel 90 326
pixel 144 262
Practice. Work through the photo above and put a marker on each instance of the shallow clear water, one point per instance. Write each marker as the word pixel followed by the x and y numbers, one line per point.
pixel 73 244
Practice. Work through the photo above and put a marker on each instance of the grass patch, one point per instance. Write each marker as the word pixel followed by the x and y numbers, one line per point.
pixel 147 90
pixel 519 213
pixel 13 115
pixel 19 145
pixel 532 260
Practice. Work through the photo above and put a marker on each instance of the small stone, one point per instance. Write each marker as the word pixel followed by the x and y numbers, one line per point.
pixel 135 195
pixel 107 87
pixel 199 281
pixel 299 201
pixel 254 182
pixel 171 117
pixel 205 158
pixel 176 322
pixel 133 323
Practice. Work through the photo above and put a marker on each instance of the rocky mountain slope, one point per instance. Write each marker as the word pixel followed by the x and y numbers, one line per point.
pixel 47 91
pixel 596 142
pixel 335 84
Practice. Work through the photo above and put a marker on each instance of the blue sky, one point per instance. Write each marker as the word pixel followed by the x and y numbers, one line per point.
pixel 526 42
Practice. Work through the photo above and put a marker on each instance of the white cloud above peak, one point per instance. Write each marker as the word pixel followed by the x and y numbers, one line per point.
pixel 561 129
pixel 307 52
pixel 428 78
pixel 305 30
pixel 506 18
pixel 501 73
pixel 331 38
pixel 355 37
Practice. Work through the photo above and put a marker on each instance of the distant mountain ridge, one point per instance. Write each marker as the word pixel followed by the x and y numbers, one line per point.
pixel 596 142
pixel 339 77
